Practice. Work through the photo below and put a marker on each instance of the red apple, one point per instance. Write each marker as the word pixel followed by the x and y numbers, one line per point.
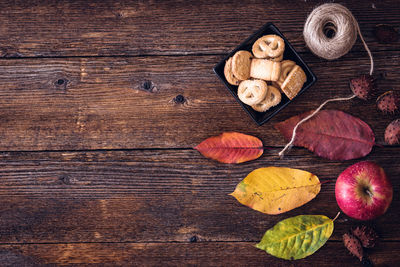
pixel 363 191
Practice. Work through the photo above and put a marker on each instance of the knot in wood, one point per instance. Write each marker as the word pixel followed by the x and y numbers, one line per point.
pixel 65 179
pixel 61 83
pixel 179 99
pixel 147 86
pixel 193 239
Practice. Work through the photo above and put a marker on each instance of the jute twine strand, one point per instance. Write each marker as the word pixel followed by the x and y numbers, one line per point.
pixel 344 28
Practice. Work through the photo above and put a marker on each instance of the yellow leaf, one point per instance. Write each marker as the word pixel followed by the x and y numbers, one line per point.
pixel 274 190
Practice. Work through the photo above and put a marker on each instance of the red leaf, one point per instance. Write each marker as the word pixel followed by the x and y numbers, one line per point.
pixel 331 134
pixel 231 147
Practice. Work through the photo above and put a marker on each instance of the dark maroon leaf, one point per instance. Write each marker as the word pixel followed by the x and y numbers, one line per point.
pixel 331 134
pixel 385 34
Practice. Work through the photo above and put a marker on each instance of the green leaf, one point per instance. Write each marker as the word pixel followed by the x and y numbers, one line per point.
pixel 297 237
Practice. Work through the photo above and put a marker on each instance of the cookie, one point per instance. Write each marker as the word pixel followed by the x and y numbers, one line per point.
pixel 229 74
pixel 268 46
pixel 272 99
pixel 241 64
pixel 252 92
pixel 265 69
pixel 276 59
pixel 286 67
pixel 275 84
pixel 294 82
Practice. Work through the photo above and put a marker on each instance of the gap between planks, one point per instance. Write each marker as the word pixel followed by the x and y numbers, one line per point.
pixel 145 149
pixel 157 242
pixel 177 54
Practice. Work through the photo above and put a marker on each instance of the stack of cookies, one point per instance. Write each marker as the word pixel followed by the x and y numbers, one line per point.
pixel 263 75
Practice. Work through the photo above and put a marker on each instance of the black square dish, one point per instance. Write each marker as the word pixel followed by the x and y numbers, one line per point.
pixel 262 117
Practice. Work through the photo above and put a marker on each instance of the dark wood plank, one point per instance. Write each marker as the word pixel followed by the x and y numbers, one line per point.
pixel 112 103
pixel 77 28
pixel 155 196
pixel 186 254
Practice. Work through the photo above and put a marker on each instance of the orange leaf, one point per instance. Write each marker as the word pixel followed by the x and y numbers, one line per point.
pixel 231 147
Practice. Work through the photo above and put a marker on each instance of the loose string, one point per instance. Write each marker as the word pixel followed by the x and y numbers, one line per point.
pixel 317 46
pixel 371 70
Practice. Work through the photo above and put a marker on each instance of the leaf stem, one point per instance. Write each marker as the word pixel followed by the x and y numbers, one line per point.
pixel 337 215
pixel 379 145
pixel 327 181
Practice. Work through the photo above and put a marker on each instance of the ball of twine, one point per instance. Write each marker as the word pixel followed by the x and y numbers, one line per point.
pixel 331 31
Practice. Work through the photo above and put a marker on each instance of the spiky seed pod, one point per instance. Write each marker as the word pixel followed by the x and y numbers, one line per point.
pixel 388 102
pixel 392 133
pixel 367 236
pixel 353 245
pixel 362 86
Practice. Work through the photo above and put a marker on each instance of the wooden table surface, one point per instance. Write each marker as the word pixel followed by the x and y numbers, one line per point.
pixel 101 103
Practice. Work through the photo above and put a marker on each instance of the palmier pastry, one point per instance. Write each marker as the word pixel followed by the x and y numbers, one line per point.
pixel 265 69
pixel 272 99
pixel 286 67
pixel 229 74
pixel 276 59
pixel 241 62
pixel 268 46
pixel 294 82
pixel 252 92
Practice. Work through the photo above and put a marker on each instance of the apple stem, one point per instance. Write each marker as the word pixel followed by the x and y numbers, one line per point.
pixel 337 215
pixel 369 193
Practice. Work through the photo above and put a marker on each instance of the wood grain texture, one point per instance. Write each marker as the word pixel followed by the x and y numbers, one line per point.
pixel 186 254
pixel 130 85
pixel 114 103
pixel 156 196
pixel 82 28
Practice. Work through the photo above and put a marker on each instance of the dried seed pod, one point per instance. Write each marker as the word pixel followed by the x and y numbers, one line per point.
pixel 392 133
pixel 385 33
pixel 367 236
pixel 388 102
pixel 362 86
pixel 367 262
pixel 353 245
